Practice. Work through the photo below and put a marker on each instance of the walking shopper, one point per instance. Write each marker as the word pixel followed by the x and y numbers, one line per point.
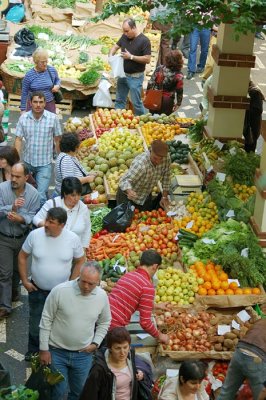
pixel 203 35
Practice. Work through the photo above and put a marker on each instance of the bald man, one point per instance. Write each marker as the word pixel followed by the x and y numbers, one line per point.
pixel 19 202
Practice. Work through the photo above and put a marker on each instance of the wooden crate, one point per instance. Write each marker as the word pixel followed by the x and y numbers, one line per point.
pixel 65 107
pixel 13 103
pixel 109 194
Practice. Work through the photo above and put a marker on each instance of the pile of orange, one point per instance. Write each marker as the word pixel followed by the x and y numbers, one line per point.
pixel 214 281
pixel 243 192
pixel 154 130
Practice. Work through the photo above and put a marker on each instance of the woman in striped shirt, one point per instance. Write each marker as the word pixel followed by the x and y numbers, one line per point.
pixel 42 77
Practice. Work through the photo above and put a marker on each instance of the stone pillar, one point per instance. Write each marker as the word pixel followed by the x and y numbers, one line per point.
pixel 228 93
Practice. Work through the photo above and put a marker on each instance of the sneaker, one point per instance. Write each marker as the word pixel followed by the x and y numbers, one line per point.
pixel 190 75
pixel 199 70
pixel 259 35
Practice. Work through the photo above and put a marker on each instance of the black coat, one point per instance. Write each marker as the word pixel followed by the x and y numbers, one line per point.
pixel 99 384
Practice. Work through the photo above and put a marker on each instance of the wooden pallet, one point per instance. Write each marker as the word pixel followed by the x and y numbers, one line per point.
pixel 65 107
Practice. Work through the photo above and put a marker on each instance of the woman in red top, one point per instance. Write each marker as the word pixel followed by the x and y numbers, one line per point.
pixel 169 78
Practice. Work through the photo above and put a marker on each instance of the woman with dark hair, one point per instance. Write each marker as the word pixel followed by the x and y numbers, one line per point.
pixel 169 78
pixel 189 385
pixel 78 215
pixel 8 157
pixel 113 375
pixel 67 164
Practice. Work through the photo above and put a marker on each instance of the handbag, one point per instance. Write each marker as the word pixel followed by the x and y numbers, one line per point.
pixel 58 96
pixel 119 218
pixel 86 187
pixel 154 97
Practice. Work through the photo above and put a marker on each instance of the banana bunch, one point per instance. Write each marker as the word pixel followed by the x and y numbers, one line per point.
pixel 108 41
pixel 205 151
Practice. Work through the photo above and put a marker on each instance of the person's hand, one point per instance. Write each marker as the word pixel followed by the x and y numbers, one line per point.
pixel 19 202
pixel 164 203
pixel 131 194
pixel 89 349
pixel 14 217
pixel 30 287
pixel 45 357
pixel 90 178
pixel 139 375
pixel 161 306
pixel 176 107
pixel 126 55
pixel 55 88
pixel 163 338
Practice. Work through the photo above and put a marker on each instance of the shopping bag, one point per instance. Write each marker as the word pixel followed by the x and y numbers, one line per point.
pixel 38 381
pixel 117 65
pixel 102 97
pixel 119 218
pixel 58 96
pixel 153 99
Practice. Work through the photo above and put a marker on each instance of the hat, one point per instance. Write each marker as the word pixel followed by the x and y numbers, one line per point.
pixel 160 148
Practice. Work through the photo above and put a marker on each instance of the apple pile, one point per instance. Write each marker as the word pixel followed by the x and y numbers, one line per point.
pixel 176 286
pixel 105 118
pixel 121 139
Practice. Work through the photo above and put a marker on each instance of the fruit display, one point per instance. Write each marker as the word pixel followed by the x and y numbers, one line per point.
pixel 113 268
pixel 107 246
pixel 105 118
pixel 88 141
pixel 201 206
pixel 113 179
pixel 219 370
pixel 123 140
pixel 214 281
pixel 243 192
pixel 176 286
pixel 153 130
pixel 77 125
pixel 178 151
pixel 95 198
pixel 205 152
pixel 159 119
pixel 176 169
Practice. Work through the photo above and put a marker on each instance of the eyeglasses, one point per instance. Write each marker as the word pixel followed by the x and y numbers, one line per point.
pixel 43 62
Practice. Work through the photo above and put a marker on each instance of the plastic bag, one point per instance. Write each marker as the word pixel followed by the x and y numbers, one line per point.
pixel 102 97
pixel 16 13
pixel 38 381
pixel 117 64
pixel 24 37
pixel 119 218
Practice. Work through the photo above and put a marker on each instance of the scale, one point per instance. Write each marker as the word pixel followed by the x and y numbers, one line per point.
pixel 185 184
pixel 4 28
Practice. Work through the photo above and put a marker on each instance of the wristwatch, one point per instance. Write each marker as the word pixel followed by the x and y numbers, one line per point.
pixel 96 344
pixel 131 57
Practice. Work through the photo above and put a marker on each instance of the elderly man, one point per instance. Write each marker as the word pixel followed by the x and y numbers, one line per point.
pixel 19 202
pixel 136 52
pixel 55 251
pixel 75 319
pixel 144 173
pixel 40 129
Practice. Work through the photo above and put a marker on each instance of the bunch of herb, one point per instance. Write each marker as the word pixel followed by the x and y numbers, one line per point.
pixel 241 166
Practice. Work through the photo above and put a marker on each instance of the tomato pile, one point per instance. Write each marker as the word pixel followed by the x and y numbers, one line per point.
pixel 219 370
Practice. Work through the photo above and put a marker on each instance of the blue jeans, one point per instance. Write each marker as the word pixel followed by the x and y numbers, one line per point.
pixel 240 368
pixel 133 85
pixel 36 304
pixel 204 37
pixel 75 366
pixel 42 175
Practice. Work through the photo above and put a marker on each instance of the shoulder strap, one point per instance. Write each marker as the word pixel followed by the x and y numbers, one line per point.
pixel 54 203
pixel 51 76
pixel 83 173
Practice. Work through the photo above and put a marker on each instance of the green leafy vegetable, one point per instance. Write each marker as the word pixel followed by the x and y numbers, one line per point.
pixel 89 77
pixel 97 218
pixel 241 166
pixel 36 29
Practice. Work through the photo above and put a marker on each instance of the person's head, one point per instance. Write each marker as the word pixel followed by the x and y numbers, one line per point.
pixel 191 374
pixel 129 28
pixel 71 191
pixel 174 60
pixel 118 342
pixel 38 102
pixel 19 176
pixel 90 277
pixel 69 142
pixel 8 156
pixel 55 221
pixel 150 260
pixel 40 59
pixel 159 151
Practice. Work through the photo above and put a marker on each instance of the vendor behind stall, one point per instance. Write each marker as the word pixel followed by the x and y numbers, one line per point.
pixel 42 77
pixel 146 170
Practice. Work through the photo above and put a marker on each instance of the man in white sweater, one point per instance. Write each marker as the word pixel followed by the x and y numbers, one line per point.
pixel 75 319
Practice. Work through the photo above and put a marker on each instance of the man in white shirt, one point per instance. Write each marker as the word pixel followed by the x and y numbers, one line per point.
pixel 75 319
pixel 53 250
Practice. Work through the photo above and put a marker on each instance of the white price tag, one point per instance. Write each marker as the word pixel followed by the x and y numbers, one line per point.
pixel 208 241
pixel 96 212
pixel 76 120
pixel 232 151
pixel 190 224
pixel 94 195
pixel 220 176
pixel 230 213
pixel 244 316
pixel 229 232
pixel 216 384
pixel 142 335
pixel 69 33
pixel 244 252
pixel 218 144
pixel 223 329
pixel 177 236
pixel 235 325
pixel 171 213
pixel 210 169
pixel 172 373
pixel 234 280
pixel 21 67
pixel 144 228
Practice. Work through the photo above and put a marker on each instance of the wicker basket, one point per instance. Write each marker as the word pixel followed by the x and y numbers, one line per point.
pixel 11 83
pixel 73 94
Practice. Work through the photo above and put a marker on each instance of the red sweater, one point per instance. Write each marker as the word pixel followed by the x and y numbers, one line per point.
pixel 134 291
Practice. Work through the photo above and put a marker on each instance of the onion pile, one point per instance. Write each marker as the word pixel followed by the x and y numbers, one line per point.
pixel 187 331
